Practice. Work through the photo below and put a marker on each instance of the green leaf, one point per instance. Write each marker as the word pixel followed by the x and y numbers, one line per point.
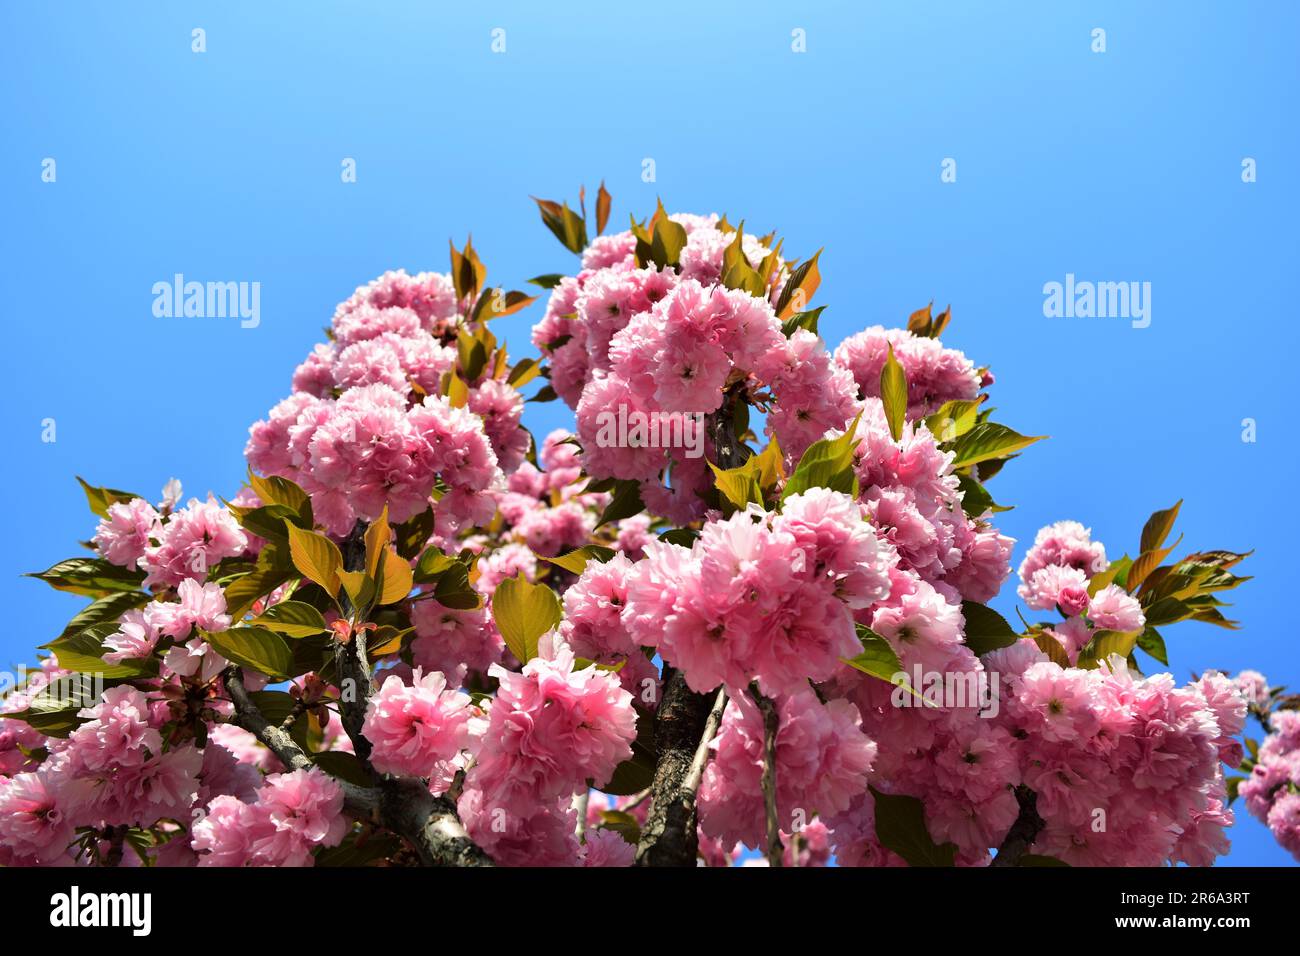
pixel 411 536
pixel 667 241
pixel 682 537
pixel 548 281
pixel 1050 646
pixel 108 608
pixel 83 653
pixel 395 580
pixel 737 272
pixel 523 612
pixel 244 591
pixel 802 320
pixel 804 280
pixel 893 393
pixel 576 561
pixel 316 557
pixel 1158 526
pixel 254 647
pixel 470 354
pixel 454 589
pixel 292 619
pixel 879 660
pixel 828 463
pixel 525 371
pixel 1105 643
pixel 900 826
pixel 544 394
pixel 344 766
pixel 625 503
pixel 637 772
pixel 975 498
pixel 987 441
pixel 53 712
pixel 1151 642
pixel 986 629
pixel 953 419
pixel 100 499
pixel 432 564
pixel 269 521
pixel 93 577
pixel 565 224
pixel 274 490
pixel 737 487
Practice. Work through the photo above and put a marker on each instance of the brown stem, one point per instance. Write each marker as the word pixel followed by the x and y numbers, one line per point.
pixel 771 724
pixel 1020 838
pixel 402 805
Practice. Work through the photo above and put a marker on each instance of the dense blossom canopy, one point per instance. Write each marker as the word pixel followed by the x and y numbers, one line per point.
pixel 416 635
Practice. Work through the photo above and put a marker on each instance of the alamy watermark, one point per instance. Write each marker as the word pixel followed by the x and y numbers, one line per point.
pixel 637 429
pixel 951 690
pixel 1102 300
pixel 209 300
pixel 69 691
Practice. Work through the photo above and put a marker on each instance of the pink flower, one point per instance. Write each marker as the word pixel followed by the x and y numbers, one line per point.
pixel 200 605
pixel 296 812
pixel 1066 543
pixel 1059 586
pixel 822 760
pixel 34 822
pixel 1113 609
pixel 934 374
pixel 551 729
pixel 607 848
pixel 193 540
pixel 418 730
pixel 124 535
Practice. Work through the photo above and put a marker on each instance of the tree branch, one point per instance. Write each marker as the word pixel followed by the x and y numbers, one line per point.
pixel 1023 832
pixel 668 837
pixel 402 805
pixel 771 724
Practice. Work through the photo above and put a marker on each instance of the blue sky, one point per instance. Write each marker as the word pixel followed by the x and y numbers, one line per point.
pixel 225 166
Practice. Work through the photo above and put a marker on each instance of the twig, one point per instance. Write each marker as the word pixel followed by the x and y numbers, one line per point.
pixel 691 782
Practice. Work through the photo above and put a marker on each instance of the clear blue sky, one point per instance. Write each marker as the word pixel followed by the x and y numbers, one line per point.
pixel 1123 165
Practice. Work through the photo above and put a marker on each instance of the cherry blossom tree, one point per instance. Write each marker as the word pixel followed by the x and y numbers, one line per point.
pixel 743 604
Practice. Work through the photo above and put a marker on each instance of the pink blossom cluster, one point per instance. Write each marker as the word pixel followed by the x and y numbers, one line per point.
pixel 116 769
pixel 183 545
pixel 421 728
pixel 761 597
pixel 370 448
pixel 1272 791
pixel 934 374
pixel 290 815
pixel 551 729
pixel 543 511
pixel 915 501
pixel 660 343
pixel 368 425
pixel 1055 575
pixel 1125 769
pixel 822 762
